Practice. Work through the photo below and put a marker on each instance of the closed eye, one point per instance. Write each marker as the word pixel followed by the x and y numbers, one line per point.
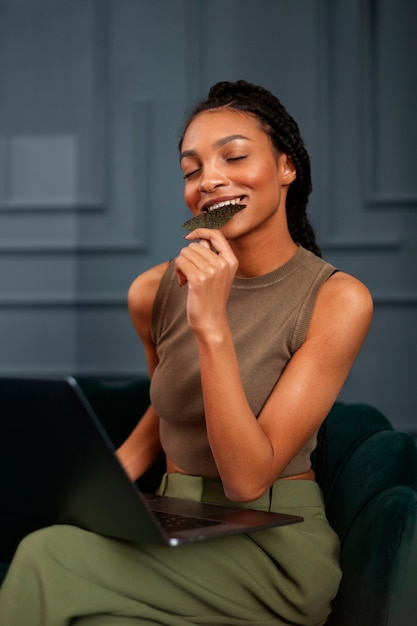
pixel 190 174
pixel 238 158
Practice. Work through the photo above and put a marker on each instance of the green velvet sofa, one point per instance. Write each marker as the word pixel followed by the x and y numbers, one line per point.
pixel 370 489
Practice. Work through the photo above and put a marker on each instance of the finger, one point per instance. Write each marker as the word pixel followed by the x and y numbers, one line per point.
pixel 217 241
pixel 205 244
pixel 199 254
pixel 190 261
pixel 182 279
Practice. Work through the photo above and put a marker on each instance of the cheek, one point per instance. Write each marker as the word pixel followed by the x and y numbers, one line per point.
pixel 259 177
pixel 189 195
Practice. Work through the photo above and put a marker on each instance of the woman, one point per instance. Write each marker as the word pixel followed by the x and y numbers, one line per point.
pixel 249 336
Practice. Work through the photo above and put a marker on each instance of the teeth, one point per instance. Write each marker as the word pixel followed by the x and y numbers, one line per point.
pixel 219 205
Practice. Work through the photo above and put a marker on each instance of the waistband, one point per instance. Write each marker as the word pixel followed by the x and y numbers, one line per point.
pixel 282 494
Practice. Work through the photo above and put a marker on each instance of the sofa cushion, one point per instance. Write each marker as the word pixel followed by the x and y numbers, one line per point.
pixel 385 459
pixel 375 552
pixel 347 427
pixel 372 505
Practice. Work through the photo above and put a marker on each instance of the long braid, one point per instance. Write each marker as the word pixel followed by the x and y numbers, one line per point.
pixel 285 136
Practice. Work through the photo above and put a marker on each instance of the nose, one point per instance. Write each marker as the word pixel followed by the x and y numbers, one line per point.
pixel 212 179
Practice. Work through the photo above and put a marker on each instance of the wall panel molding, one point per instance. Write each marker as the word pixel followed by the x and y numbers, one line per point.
pixel 361 244
pixel 47 248
pixel 118 301
pixel 142 116
pixel 390 79
pixel 53 155
pixel 359 122
pixel 57 162
pixel 388 201
pixel 194 20
pixel 391 299
pixel 28 304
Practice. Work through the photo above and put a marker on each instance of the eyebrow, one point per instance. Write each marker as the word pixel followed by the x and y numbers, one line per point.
pixel 217 144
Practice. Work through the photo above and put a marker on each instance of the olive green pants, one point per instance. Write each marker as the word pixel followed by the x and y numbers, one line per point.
pixel 63 575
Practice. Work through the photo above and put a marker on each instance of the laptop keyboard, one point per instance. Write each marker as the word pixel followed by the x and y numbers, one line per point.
pixel 172 522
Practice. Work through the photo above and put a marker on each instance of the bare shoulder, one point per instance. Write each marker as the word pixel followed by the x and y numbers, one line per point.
pixel 343 302
pixel 141 296
pixel 343 289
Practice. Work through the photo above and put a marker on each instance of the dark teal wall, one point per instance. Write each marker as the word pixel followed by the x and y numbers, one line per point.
pixel 92 97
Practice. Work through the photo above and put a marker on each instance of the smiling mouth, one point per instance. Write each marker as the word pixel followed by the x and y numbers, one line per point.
pixel 215 216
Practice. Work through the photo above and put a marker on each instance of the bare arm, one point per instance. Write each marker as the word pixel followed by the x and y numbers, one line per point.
pixel 143 446
pixel 251 453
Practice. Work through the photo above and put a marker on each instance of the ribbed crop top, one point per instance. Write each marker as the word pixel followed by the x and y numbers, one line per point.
pixel 269 316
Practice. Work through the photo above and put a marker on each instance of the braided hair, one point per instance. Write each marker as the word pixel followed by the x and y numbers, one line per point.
pixel 285 137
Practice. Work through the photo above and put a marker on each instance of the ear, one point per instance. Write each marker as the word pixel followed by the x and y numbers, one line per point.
pixel 287 169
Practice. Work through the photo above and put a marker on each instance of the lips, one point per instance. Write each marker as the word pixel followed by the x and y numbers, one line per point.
pixel 215 216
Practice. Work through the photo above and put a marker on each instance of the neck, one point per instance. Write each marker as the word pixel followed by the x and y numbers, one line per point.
pixel 264 256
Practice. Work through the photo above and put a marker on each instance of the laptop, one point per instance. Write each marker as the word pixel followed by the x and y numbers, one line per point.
pixel 57 465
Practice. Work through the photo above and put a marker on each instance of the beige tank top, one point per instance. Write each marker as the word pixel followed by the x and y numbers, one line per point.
pixel 268 315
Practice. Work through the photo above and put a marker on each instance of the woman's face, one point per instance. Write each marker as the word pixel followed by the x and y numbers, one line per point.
pixel 226 156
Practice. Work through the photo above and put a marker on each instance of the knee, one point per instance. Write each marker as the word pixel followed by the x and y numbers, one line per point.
pixel 31 545
pixel 43 543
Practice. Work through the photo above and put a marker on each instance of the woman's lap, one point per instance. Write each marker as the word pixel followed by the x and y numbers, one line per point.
pixel 71 576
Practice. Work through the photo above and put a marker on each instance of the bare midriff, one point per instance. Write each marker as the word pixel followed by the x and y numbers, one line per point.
pixel 171 468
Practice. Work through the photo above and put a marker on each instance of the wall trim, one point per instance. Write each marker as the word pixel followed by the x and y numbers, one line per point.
pixel 119 301
pixel 340 244
pixel 64 302
pixel 83 205
pixel 385 201
pixel 194 29
pixel 134 246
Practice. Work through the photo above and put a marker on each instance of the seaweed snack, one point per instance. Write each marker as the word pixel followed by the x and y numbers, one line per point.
pixel 215 218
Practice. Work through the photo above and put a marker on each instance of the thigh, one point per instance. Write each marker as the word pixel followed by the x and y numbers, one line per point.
pixel 62 574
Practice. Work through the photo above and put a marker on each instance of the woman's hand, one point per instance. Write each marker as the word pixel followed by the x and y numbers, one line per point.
pixel 209 266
